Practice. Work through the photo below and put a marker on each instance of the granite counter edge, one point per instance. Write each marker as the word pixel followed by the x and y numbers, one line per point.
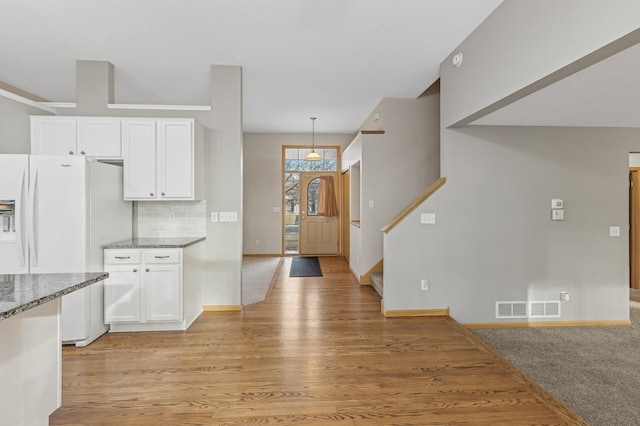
pixel 131 245
pixel 41 301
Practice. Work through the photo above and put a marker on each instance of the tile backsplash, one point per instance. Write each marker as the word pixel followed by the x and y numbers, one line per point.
pixel 170 219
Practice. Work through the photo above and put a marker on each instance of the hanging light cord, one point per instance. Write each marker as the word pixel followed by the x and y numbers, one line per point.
pixel 313 134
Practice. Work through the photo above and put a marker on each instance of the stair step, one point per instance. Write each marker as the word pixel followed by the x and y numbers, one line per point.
pixel 376 281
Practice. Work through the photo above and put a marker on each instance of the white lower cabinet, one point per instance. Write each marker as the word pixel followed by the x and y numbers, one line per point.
pixel 144 289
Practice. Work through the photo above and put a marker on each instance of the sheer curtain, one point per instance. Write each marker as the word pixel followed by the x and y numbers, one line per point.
pixel 327 205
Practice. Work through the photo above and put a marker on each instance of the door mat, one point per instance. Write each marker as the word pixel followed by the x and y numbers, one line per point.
pixel 305 267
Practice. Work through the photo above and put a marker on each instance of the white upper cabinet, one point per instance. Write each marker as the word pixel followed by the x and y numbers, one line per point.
pixel 53 135
pixel 175 159
pixel 158 159
pixel 140 159
pixel 90 136
pixel 99 137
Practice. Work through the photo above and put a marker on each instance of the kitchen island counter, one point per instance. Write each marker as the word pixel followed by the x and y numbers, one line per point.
pixel 22 292
pixel 146 243
pixel 31 355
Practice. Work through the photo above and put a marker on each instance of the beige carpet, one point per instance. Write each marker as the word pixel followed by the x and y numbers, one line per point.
pixel 595 371
pixel 257 273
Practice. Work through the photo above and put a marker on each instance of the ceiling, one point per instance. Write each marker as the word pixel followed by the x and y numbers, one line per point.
pixel 333 59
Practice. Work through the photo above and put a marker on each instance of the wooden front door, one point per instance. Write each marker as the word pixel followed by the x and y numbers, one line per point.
pixel 319 234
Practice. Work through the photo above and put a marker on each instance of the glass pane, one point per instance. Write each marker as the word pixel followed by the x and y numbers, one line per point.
pixel 294 160
pixel 291 165
pixel 330 154
pixel 313 192
pixel 291 212
pixel 291 153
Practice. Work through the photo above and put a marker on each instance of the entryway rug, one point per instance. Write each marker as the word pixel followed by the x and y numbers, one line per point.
pixel 305 267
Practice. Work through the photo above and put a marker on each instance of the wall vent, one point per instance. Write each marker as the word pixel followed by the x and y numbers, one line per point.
pixel 544 309
pixel 511 309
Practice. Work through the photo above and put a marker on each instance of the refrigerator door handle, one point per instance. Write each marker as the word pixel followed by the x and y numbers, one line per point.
pixel 32 205
pixel 18 219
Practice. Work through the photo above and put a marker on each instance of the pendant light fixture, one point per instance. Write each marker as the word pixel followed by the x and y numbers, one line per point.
pixel 313 155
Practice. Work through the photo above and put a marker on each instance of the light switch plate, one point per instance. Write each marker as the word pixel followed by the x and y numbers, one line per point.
pixel 557 203
pixel 428 218
pixel 276 209
pixel 372 204
pixel 614 231
pixel 228 216
pixel 557 214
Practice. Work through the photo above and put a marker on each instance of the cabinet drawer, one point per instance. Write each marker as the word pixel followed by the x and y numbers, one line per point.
pixel 161 256
pixel 121 257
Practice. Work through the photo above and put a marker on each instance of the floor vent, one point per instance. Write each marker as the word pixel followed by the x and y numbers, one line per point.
pixel 544 309
pixel 511 309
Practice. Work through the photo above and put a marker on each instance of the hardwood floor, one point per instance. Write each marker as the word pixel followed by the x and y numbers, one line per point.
pixel 316 351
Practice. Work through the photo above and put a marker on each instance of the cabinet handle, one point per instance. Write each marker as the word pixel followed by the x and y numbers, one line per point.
pixel 123 257
pixel 161 257
pixel 162 194
pixel 147 269
pixel 151 194
pixel 82 152
pixel 135 270
pixel 70 152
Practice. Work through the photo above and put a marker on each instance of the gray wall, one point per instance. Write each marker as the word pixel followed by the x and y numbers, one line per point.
pixel 525 45
pixel 15 126
pixel 394 169
pixel 263 185
pixel 494 239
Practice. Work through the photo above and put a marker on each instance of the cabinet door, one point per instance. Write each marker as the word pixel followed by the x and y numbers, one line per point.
pixel 122 294
pixel 53 135
pixel 139 143
pixel 163 293
pixel 99 137
pixel 175 171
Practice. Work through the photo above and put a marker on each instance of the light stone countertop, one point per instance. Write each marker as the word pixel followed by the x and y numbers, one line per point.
pixel 145 243
pixel 19 293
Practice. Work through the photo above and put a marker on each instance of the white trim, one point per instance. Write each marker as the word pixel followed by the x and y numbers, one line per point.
pixel 161 107
pixel 59 104
pixel 30 102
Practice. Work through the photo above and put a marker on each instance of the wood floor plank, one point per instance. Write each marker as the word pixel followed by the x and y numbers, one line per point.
pixel 316 351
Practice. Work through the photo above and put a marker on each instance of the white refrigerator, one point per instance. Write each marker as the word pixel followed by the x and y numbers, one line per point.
pixel 56 212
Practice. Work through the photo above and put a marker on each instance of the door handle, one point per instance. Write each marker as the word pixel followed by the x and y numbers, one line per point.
pixel 32 209
pixel 18 220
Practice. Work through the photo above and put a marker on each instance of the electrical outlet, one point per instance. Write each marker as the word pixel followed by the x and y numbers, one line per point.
pixel 257 242
pixel 564 296
pixel 424 284
pixel 214 216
